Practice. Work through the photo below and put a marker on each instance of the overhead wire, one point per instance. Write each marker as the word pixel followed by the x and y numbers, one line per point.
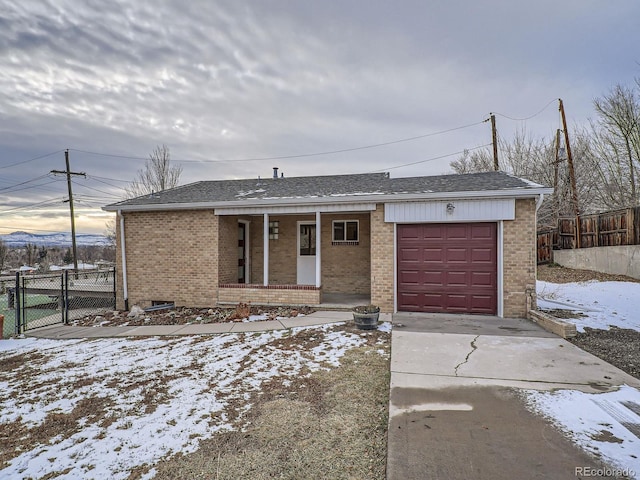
pixel 33 206
pixel 432 158
pixel 285 157
pixel 529 117
pixel 31 159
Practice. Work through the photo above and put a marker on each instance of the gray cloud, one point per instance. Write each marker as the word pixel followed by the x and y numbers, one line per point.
pixel 234 80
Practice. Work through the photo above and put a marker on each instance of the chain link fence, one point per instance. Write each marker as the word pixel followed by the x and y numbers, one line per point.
pixel 33 301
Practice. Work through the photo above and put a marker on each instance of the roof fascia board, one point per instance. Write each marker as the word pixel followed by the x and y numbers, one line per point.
pixel 526 192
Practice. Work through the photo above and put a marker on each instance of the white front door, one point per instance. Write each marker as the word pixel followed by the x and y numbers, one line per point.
pixel 306 253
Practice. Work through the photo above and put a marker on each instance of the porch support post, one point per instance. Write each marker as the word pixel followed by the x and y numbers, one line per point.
pixel 265 240
pixel 318 250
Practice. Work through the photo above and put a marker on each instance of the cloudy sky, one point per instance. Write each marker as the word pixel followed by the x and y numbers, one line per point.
pixel 234 88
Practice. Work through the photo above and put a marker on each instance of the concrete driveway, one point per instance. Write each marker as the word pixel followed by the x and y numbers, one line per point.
pixel 455 409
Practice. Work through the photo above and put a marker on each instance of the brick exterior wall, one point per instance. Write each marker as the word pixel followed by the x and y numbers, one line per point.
pixel 519 258
pixel 345 268
pixel 382 260
pixel 259 295
pixel 183 257
pixel 171 256
pixel 227 249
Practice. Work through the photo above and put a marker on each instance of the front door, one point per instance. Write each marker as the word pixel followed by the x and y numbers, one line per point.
pixel 306 253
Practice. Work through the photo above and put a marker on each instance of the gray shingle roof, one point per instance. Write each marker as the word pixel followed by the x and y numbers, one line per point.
pixel 254 190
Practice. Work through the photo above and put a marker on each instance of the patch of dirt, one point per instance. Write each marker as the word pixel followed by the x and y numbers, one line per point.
pixel 617 346
pixel 328 424
pixel 555 273
pixel 185 315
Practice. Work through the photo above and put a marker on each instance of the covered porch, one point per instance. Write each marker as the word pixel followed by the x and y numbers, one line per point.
pixel 294 256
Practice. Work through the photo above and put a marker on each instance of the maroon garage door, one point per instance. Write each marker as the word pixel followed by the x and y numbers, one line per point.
pixel 447 268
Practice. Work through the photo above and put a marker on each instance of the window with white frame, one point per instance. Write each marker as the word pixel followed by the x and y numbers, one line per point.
pixel 274 230
pixel 346 232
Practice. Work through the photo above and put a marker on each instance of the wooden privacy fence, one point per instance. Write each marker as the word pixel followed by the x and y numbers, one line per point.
pixel 616 227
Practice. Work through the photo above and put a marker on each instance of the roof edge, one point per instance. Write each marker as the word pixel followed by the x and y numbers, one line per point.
pixel 526 192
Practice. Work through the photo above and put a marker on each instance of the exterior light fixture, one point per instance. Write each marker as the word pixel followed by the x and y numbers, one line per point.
pixel 450 208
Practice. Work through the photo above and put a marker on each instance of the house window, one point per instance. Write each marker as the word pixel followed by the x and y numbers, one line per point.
pixel 345 232
pixel 274 230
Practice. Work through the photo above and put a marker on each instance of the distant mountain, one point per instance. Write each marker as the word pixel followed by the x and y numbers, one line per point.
pixel 61 239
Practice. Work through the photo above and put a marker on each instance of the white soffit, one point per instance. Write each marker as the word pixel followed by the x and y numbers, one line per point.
pixel 457 211
pixel 296 209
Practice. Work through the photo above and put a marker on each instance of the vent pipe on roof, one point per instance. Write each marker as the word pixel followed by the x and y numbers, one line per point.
pixel 275 172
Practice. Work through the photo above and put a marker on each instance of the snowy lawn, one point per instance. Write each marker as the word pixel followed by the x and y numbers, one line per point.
pixel 605 424
pixel 73 409
pixel 602 303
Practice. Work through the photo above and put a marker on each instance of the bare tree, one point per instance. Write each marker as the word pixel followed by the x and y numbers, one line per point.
pixel 158 174
pixel 110 231
pixel 29 254
pixel 4 250
pixel 616 137
pixel 535 160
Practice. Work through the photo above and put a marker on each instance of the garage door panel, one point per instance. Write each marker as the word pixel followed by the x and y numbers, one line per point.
pixel 456 279
pixel 433 232
pixel 482 279
pixel 456 255
pixel 409 277
pixel 408 255
pixel 411 232
pixel 433 278
pixel 482 255
pixel 454 271
pixel 480 231
pixel 455 232
pixel 433 255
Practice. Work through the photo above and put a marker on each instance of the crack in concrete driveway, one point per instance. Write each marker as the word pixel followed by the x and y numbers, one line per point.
pixel 474 347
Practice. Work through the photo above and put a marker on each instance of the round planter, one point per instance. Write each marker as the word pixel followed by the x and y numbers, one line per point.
pixel 366 321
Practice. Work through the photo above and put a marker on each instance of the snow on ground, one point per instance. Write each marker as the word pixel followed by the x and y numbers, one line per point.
pixel 153 397
pixel 605 424
pixel 603 303
pixel 599 423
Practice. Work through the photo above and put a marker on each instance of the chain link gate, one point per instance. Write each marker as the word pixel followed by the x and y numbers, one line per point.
pixel 43 300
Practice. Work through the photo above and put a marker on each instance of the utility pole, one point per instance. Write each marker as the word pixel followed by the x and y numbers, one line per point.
pixel 69 173
pixel 494 136
pixel 572 173
pixel 556 166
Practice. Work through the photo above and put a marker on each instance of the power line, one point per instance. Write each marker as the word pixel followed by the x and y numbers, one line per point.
pixel 97 179
pixel 95 189
pixel 286 157
pixel 433 158
pixel 40 230
pixel 42 204
pixel 8 190
pixel 31 159
pixel 529 117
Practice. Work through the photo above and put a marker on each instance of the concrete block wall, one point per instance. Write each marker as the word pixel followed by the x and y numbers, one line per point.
pixel 519 258
pixel 382 260
pixel 171 256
